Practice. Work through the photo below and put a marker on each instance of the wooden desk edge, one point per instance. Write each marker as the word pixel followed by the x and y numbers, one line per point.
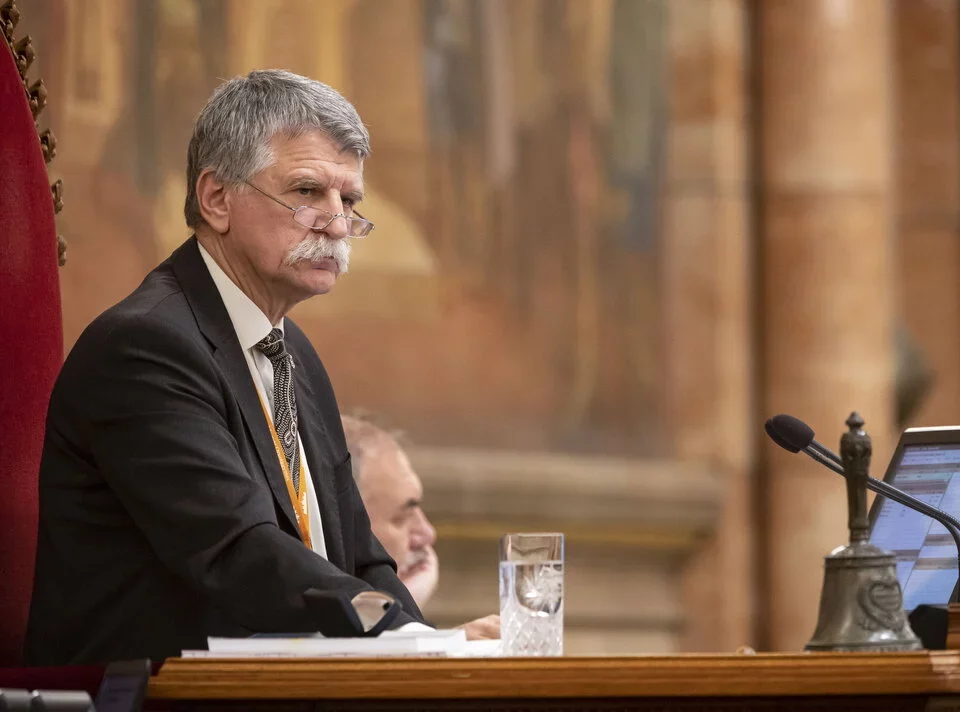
pixel 763 675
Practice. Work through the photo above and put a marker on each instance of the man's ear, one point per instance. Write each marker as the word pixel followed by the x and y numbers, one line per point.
pixel 212 197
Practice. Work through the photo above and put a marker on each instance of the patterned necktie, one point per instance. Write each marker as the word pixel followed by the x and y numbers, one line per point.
pixel 284 403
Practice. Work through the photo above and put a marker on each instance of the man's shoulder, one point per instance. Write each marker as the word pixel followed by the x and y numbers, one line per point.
pixel 161 299
pixel 156 312
pixel 149 334
pixel 157 301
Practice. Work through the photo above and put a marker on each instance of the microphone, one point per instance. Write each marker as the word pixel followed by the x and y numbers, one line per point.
pixel 796 436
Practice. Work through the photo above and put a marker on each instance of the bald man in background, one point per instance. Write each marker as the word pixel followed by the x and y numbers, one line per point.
pixel 392 494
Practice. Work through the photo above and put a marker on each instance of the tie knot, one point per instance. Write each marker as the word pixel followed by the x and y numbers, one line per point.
pixel 272 345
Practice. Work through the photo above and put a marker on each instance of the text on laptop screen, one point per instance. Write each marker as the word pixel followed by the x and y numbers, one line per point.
pixel 926 554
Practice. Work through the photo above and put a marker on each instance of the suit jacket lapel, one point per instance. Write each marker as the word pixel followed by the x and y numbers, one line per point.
pixel 214 322
pixel 311 429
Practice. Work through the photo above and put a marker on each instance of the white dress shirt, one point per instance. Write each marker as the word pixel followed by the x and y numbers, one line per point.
pixel 251 326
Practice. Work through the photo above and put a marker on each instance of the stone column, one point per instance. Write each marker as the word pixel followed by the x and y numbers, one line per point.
pixel 927 184
pixel 706 291
pixel 828 290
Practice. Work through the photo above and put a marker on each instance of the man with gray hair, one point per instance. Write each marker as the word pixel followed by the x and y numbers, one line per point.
pixel 392 493
pixel 195 480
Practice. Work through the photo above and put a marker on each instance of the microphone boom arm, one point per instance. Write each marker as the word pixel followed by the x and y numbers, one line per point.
pixel 951 524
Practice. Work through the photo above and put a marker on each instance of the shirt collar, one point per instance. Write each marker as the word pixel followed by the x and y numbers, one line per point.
pixel 248 321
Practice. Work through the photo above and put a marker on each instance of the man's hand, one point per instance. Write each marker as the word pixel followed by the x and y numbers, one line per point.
pixel 486 628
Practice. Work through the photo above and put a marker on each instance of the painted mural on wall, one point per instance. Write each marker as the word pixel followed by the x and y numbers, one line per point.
pixel 508 297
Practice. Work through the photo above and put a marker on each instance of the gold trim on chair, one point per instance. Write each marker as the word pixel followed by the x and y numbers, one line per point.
pixel 24 55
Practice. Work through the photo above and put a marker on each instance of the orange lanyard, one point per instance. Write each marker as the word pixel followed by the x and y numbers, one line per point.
pixel 299 503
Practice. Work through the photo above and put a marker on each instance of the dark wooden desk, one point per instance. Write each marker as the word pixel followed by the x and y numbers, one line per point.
pixel 819 681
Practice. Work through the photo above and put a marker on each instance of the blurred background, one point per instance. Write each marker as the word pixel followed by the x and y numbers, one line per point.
pixel 613 236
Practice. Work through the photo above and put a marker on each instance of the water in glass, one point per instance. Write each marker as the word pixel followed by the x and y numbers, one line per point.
pixel 531 608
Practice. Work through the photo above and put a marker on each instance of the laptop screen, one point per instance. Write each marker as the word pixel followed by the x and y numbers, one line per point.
pixel 925 551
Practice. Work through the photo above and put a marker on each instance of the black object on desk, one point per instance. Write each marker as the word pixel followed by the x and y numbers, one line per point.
pixel 124 686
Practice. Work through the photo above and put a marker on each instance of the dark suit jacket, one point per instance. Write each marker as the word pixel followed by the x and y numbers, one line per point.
pixel 164 517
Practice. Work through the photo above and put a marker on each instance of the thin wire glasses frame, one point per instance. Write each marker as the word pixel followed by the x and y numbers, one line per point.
pixel 319 219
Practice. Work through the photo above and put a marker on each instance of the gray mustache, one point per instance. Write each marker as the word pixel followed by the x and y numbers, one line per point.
pixel 316 248
pixel 415 558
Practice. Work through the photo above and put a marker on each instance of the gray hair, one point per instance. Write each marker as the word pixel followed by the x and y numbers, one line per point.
pixel 233 131
pixel 365 439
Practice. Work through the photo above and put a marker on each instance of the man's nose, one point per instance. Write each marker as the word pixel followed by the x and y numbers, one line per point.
pixel 425 534
pixel 337 228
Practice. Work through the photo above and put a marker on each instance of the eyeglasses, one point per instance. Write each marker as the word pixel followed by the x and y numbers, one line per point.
pixel 319 219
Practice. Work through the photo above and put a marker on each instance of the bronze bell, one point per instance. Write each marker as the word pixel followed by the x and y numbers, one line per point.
pixel 861 604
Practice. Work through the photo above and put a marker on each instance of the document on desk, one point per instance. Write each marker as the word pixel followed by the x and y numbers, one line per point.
pixel 480 649
pixel 390 643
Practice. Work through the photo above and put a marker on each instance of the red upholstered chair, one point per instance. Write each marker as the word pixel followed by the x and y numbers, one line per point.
pixel 31 336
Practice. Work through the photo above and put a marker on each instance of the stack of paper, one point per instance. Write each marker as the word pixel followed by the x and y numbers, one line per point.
pixel 391 643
